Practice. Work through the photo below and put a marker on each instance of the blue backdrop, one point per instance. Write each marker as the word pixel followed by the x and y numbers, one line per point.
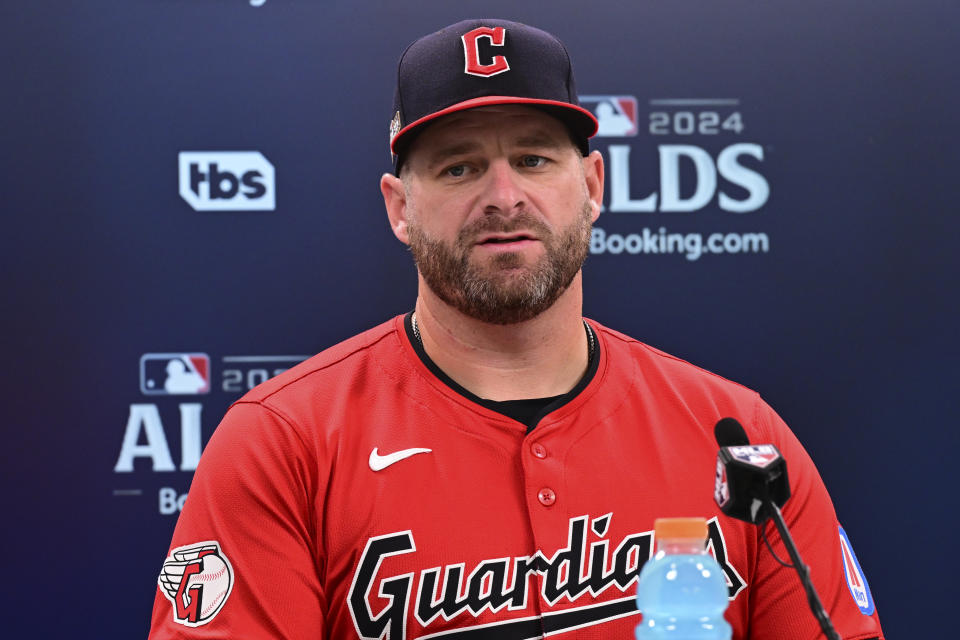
pixel 780 209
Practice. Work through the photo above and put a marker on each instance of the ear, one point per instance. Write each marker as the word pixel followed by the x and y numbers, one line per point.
pixel 395 201
pixel 593 174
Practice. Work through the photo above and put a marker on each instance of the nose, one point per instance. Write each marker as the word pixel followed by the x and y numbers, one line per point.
pixel 503 193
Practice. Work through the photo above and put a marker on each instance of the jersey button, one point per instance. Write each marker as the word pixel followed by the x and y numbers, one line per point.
pixel 539 450
pixel 546 496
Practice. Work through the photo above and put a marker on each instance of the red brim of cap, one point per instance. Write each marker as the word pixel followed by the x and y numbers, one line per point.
pixel 586 116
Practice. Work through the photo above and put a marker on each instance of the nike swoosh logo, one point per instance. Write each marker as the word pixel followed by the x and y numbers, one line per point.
pixel 379 462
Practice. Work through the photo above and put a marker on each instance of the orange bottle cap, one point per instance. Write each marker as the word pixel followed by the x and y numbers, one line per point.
pixel 686 528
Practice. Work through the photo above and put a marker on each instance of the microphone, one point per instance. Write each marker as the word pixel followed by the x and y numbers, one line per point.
pixel 749 477
pixel 751 485
pixel 730 433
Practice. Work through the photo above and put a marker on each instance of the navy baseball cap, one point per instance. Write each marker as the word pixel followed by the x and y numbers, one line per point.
pixel 475 63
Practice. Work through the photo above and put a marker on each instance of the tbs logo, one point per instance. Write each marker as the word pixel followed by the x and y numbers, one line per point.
pixel 616 115
pixel 227 181
pixel 167 374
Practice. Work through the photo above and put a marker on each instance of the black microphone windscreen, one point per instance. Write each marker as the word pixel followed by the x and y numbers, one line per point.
pixel 730 433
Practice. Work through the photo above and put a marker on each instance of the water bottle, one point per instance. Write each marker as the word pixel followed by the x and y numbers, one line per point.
pixel 682 592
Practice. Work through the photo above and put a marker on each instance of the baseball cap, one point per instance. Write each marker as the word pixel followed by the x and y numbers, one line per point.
pixel 475 63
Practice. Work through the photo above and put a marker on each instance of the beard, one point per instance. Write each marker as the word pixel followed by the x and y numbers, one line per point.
pixel 503 290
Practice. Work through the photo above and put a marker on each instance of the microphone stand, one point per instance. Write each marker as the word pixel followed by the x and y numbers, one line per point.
pixel 803 571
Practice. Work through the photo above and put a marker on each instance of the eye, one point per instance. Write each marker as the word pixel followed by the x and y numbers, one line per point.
pixel 533 162
pixel 456 171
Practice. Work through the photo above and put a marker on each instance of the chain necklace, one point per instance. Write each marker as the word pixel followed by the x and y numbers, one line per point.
pixel 591 345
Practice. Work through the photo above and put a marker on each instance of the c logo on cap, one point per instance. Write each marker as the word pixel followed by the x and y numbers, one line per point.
pixel 471 51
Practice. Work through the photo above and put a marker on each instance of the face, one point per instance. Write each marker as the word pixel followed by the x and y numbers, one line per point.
pixel 497 209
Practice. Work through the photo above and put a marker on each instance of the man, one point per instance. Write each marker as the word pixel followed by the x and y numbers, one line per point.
pixel 491 464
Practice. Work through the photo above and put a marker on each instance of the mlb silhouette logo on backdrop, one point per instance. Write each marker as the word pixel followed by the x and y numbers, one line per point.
pixel 173 374
pixel 616 115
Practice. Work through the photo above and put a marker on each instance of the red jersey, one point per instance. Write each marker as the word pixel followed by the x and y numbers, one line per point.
pixel 359 496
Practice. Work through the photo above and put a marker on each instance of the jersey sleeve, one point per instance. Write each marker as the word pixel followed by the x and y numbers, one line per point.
pixel 778 605
pixel 246 561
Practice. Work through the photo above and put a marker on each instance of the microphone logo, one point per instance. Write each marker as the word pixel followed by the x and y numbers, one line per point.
pixel 756 455
pixel 721 490
pixel 748 478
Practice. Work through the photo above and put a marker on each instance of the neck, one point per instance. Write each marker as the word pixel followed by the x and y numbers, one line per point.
pixel 541 357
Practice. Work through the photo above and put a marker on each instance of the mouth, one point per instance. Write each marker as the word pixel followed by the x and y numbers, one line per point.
pixel 506 239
